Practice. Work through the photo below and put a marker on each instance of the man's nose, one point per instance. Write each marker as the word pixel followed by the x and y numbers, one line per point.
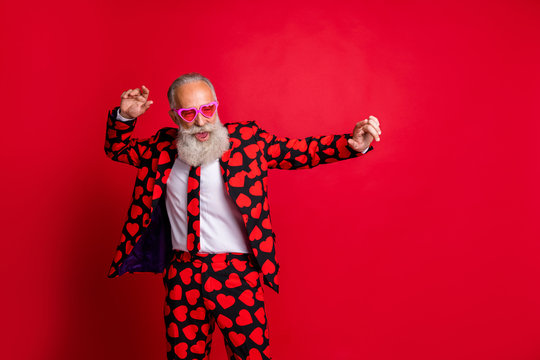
pixel 200 120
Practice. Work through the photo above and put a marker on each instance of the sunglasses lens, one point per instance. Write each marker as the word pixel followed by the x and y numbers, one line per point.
pixel 188 115
pixel 208 110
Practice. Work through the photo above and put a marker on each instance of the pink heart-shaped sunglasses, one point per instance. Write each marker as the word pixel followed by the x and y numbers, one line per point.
pixel 189 114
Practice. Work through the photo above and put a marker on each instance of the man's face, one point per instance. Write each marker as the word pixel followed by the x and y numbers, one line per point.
pixel 202 140
pixel 190 95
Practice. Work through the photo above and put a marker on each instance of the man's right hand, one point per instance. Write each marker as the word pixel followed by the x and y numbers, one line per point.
pixel 135 102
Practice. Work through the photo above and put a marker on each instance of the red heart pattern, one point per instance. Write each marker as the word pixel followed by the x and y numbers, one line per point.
pixel 226 301
pixel 199 347
pixel 244 318
pixel 190 318
pixel 212 284
pixel 181 350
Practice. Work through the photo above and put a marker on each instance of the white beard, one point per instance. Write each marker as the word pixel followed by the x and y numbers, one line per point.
pixel 194 152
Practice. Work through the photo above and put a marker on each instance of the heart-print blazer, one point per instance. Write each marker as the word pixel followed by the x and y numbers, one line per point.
pixel 145 244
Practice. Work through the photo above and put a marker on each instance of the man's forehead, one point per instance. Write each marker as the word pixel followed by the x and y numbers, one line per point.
pixel 193 94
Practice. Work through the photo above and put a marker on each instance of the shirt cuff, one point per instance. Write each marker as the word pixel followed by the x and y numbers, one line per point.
pixel 365 151
pixel 121 118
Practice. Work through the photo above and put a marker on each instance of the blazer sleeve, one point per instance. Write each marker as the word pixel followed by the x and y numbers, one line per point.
pixel 120 146
pixel 290 153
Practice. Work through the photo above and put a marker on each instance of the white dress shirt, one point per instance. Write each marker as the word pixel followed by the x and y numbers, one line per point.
pixel 222 226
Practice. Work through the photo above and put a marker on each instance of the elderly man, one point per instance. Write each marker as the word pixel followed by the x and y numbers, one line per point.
pixel 200 216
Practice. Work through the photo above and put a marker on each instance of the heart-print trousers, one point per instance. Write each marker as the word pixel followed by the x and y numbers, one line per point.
pixel 203 290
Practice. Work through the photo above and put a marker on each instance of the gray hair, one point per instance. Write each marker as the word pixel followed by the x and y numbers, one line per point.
pixel 185 79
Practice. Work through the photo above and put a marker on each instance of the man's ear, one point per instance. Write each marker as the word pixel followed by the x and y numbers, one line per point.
pixel 174 117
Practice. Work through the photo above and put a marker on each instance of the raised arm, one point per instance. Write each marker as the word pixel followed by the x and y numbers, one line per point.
pixel 286 153
pixel 119 145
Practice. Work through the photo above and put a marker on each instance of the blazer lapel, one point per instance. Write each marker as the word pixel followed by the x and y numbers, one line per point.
pixel 165 163
pixel 224 161
pixel 225 172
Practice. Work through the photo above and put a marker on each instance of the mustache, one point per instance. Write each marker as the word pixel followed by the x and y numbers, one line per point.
pixel 197 129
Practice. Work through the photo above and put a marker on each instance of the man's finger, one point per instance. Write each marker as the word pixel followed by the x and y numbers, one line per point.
pixel 359 125
pixel 145 91
pixel 354 144
pixel 131 93
pixel 140 98
pixel 373 118
pixel 147 104
pixel 127 95
pixel 371 130
pixel 375 126
pixel 358 130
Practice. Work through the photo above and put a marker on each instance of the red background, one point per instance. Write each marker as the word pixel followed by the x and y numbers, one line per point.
pixel 427 248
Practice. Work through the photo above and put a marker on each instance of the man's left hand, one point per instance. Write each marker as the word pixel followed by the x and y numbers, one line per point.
pixel 364 132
